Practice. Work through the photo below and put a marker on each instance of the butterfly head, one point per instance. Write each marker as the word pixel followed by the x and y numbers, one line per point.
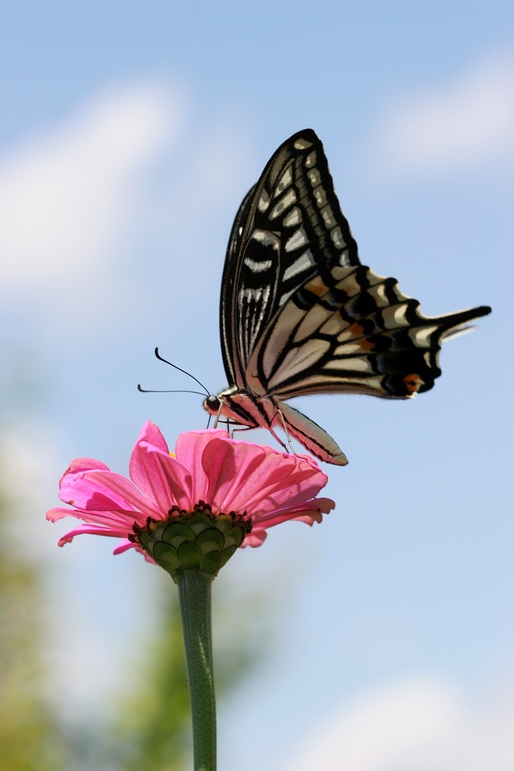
pixel 212 404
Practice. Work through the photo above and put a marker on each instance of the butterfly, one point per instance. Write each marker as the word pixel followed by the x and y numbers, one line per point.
pixel 301 315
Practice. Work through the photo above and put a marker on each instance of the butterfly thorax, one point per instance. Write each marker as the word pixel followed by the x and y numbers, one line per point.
pixel 243 406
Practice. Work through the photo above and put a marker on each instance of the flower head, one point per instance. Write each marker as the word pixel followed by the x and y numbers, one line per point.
pixel 212 480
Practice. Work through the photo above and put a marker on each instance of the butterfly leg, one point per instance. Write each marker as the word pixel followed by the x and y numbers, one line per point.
pixel 232 427
pixel 220 418
pixel 238 427
pixel 251 428
pixel 289 447
pixel 281 443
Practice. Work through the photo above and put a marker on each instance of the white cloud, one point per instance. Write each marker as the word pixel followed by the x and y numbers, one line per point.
pixel 28 480
pixel 415 725
pixel 461 124
pixel 64 194
pixel 86 233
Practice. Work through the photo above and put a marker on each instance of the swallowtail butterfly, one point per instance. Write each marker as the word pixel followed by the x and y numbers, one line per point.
pixel 301 315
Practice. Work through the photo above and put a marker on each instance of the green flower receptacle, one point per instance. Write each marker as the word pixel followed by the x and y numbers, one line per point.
pixel 199 540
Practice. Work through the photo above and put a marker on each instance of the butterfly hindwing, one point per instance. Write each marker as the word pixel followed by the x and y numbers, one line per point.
pixel 359 334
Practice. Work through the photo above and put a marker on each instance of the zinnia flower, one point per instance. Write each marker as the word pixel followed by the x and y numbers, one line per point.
pixel 193 509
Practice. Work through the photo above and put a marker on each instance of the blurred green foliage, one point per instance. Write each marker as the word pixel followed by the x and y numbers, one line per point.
pixel 29 732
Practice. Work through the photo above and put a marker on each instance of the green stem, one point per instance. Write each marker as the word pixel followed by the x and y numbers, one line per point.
pixel 194 591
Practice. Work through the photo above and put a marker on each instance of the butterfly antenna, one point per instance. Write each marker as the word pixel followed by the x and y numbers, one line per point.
pixel 158 356
pixel 153 391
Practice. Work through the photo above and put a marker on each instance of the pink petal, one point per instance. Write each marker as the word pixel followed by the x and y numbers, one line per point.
pixel 228 466
pixel 153 435
pixel 308 516
pixel 255 538
pixel 83 529
pixel 189 450
pixel 85 464
pixel 280 479
pixel 58 513
pixel 162 478
pixel 316 505
pixel 124 546
pixel 99 490
pixel 117 519
pixel 308 512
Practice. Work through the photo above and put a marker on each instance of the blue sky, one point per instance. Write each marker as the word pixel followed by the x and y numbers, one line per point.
pixel 129 134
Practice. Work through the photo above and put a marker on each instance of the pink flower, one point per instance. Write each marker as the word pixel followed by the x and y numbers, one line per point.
pixel 257 486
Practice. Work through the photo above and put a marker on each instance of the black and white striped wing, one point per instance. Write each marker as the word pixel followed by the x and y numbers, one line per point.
pixel 288 230
pixel 299 313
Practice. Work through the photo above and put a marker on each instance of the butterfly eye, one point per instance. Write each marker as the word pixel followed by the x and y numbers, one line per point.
pixel 212 404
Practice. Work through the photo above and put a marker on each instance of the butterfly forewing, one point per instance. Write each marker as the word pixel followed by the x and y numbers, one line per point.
pixel 289 228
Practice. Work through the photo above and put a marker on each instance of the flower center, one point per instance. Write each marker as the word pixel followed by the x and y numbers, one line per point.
pixel 192 540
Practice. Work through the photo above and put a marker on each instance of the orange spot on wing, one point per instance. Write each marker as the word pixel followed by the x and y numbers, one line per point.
pixel 357 330
pixel 316 286
pixel 413 383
